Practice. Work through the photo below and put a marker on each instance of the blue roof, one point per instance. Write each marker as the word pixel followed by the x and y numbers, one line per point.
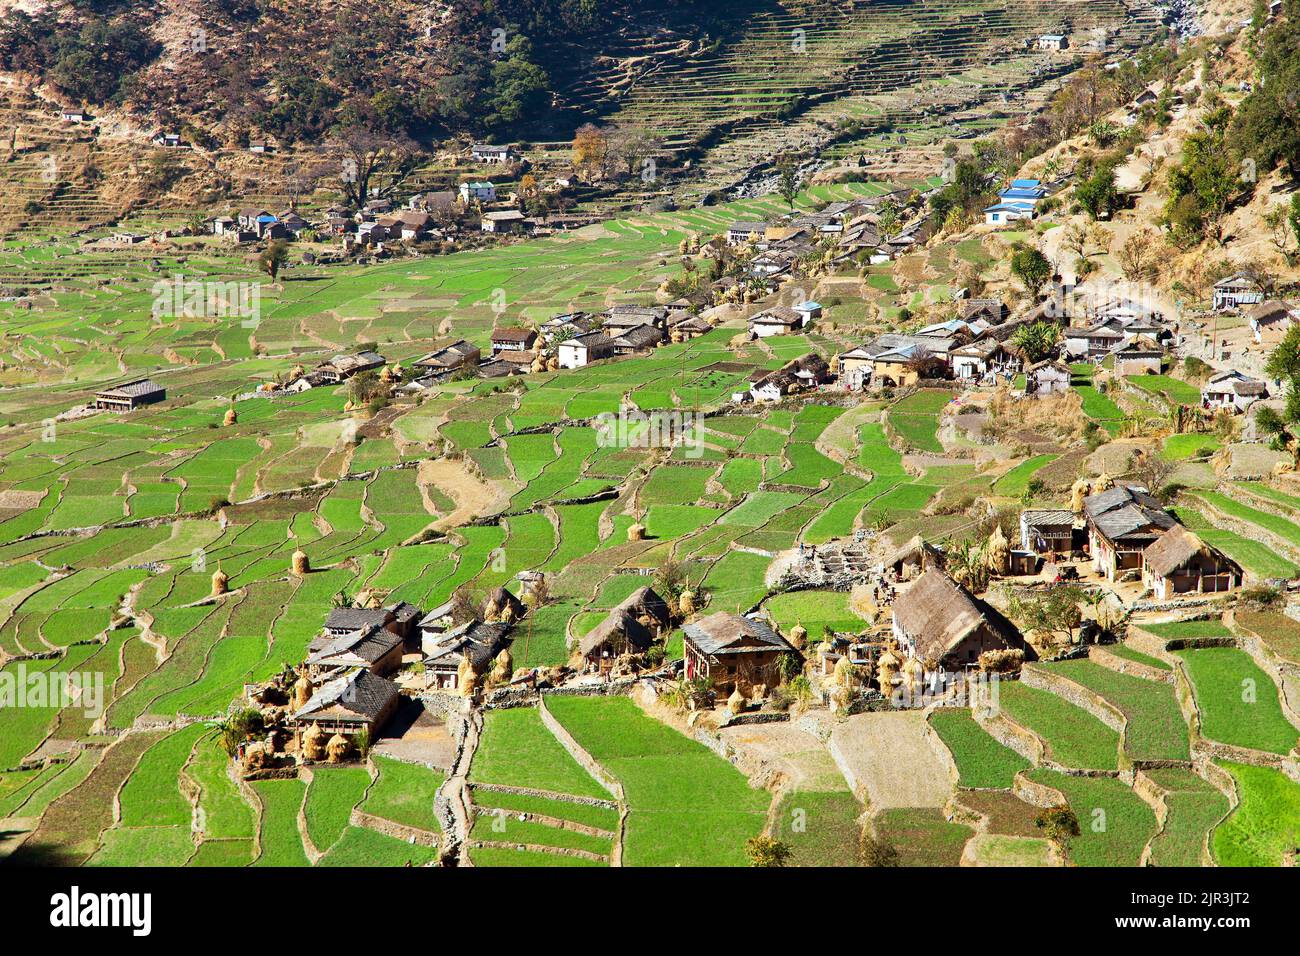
pixel 808 305
pixel 1030 194
pixel 267 218
pixel 1008 207
pixel 1026 183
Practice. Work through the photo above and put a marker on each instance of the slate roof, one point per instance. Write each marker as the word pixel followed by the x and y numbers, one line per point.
pixel 476 641
pixel 725 633
pixel 371 645
pixel 361 692
pixel 356 618
pixel 135 389
pixel 1124 511
pixel 615 623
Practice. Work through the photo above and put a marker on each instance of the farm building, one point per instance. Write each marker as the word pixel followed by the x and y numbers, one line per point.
pixel 1178 562
pixel 449 358
pixel 1047 378
pixel 342 367
pixel 992 311
pixel 1238 289
pixel 1232 390
pixel 132 395
pixel 1053 42
pixel 503 221
pixel 493 155
pixel 167 140
pixel 914 558
pixel 800 375
pixel 348 705
pixel 73 116
pixel 946 627
pixel 630 316
pixel 1018 201
pixel 734 651
pixel 1139 357
pixel 513 339
pixel 689 328
pixel 977 359
pixel 618 634
pixel 1094 341
pixel 582 350
pixel 742 232
pixel 639 338
pixel 375 648
pixel 809 311
pixel 1122 523
pixel 775 321
pixel 475 641
pixel 477 192
pixel 1047 531
pixel 1271 316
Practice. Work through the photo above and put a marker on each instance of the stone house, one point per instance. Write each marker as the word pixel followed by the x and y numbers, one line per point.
pixel 733 651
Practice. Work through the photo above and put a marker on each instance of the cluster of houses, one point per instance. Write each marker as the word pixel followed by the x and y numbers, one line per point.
pixel 1128 534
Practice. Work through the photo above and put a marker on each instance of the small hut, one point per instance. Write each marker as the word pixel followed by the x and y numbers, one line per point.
pixel 914 558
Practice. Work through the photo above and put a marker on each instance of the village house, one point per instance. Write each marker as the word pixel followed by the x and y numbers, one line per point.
pixel 808 311
pixel 582 350
pixel 261 223
pixel 260 146
pixel 1018 201
pixel 342 367
pixel 1179 562
pixel 733 652
pixel 1122 522
pixel 1139 357
pixel 562 327
pixel 894 360
pixel 947 628
pixel 355 703
pixel 494 155
pixel 449 358
pixel 399 619
pixel 914 558
pixel 480 192
pixel 1047 378
pixel 1047 531
pixel 1232 390
pixel 130 396
pixel 373 647
pixel 73 116
pixel 441 204
pixel 800 375
pixel 1238 289
pixel 975 360
pixel 477 642
pixel 1093 341
pixel 222 225
pixel 991 311
pixel 513 339
pixel 739 233
pixel 630 316
pixel 167 140
pixel 503 222
pixel 1271 317
pixel 631 627
pixel 1053 42
pixel 639 338
pixel 689 328
pixel 775 321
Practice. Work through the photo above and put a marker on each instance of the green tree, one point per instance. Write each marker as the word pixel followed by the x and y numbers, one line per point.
pixel 765 851
pixel 273 258
pixel 787 183
pixel 1033 269
pixel 1097 194
pixel 1037 340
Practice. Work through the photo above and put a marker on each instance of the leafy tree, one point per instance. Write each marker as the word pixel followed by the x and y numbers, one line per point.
pixel 1202 188
pixel 1267 125
pixel 1055 613
pixel 238 727
pixel 1033 269
pixel 876 851
pixel 1097 194
pixel 273 258
pixel 787 183
pixel 1037 340
pixel 1058 824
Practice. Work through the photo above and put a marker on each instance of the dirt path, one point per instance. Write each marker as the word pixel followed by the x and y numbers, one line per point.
pixel 887 759
pixel 451 804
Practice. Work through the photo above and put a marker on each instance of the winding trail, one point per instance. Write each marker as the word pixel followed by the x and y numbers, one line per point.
pixel 451 804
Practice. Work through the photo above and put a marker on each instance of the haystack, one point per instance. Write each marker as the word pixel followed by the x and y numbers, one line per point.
pixel 736 702
pixel 466 678
pixel 313 743
pixel 686 603
pixel 913 673
pixel 231 417
pixel 338 748
pixel 886 669
pixel 220 583
pixel 1078 491
pixel 799 637
pixel 300 564
pixel 997 553
pixel 302 689
pixel 636 532
pixel 503 667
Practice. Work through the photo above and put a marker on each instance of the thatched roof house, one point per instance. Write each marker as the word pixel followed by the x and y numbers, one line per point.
pixel 475 641
pixel 1179 562
pixel 618 634
pixel 914 557
pixel 943 624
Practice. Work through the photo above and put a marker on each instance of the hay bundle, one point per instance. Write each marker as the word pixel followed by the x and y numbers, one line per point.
pixel 636 532
pixel 799 637
pixel 686 603
pixel 846 674
pixel 300 564
pixel 466 678
pixel 338 748
pixel 736 702
pixel 349 405
pixel 539 364
pixel 913 673
pixel 886 670
pixel 502 667
pixel 314 743
pixel 220 583
pixel 231 417
pixel 302 689
pixel 1104 482
pixel 997 553
pixel 1078 491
